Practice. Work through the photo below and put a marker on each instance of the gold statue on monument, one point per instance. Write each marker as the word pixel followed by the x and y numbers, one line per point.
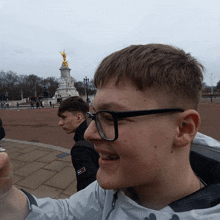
pixel 64 59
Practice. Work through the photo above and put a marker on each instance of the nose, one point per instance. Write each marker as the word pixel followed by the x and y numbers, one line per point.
pixel 92 133
pixel 60 123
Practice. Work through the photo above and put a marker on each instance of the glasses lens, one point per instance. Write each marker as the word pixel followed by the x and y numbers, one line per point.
pixel 105 125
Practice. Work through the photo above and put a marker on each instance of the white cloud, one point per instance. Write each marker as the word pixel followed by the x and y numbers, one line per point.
pixel 33 32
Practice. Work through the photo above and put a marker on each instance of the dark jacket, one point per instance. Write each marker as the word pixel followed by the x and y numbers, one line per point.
pixel 84 159
pixel 2 131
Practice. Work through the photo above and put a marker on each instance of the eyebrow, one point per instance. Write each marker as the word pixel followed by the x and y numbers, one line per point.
pixel 111 106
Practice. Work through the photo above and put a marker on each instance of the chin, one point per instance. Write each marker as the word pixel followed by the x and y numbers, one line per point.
pixel 108 183
pixel 107 186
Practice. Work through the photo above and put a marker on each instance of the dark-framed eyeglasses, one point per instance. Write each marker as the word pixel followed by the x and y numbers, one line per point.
pixel 107 121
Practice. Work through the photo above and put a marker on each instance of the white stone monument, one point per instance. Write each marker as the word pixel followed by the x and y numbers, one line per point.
pixel 66 85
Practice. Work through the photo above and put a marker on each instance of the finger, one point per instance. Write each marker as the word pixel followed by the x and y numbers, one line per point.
pixel 5 165
pixel 5 174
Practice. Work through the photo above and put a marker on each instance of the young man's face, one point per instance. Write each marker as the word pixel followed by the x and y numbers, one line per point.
pixel 144 145
pixel 69 121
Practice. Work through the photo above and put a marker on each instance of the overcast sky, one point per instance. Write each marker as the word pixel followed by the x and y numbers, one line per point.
pixel 34 31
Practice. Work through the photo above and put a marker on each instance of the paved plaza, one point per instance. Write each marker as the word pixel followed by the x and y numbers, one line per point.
pixel 39 149
pixel 40 169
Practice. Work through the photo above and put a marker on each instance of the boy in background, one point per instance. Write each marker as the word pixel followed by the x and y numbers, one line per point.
pixel 72 113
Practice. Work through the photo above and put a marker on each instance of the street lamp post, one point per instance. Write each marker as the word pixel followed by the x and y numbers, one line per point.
pixel 35 92
pixel 6 94
pixel 86 80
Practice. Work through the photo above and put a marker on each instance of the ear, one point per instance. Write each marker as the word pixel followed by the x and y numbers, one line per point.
pixel 188 125
pixel 79 117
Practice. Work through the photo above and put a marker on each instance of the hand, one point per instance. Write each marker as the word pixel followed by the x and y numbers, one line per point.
pixel 13 203
pixel 5 175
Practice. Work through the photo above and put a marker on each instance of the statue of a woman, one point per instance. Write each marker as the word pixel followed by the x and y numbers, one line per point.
pixel 64 59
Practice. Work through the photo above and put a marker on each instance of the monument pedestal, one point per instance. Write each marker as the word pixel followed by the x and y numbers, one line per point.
pixel 66 85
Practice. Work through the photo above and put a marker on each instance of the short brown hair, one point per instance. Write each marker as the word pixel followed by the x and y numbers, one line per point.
pixel 73 104
pixel 154 65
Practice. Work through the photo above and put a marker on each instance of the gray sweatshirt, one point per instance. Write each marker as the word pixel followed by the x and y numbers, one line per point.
pixel 95 203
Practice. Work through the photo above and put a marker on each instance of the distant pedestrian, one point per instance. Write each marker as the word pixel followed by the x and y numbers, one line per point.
pixel 2 135
pixel 17 105
pixel 42 104
pixel 50 103
pixel 32 105
pixel 37 104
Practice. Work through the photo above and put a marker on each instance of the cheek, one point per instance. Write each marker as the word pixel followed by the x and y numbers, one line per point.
pixel 139 165
pixel 129 133
pixel 135 137
pixel 142 147
pixel 69 122
pixel 150 138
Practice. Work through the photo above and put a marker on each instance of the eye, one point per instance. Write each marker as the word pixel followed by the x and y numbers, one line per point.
pixel 105 117
pixel 122 120
pixel 108 118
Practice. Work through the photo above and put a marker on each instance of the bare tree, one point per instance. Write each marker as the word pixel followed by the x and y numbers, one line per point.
pixel 32 85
